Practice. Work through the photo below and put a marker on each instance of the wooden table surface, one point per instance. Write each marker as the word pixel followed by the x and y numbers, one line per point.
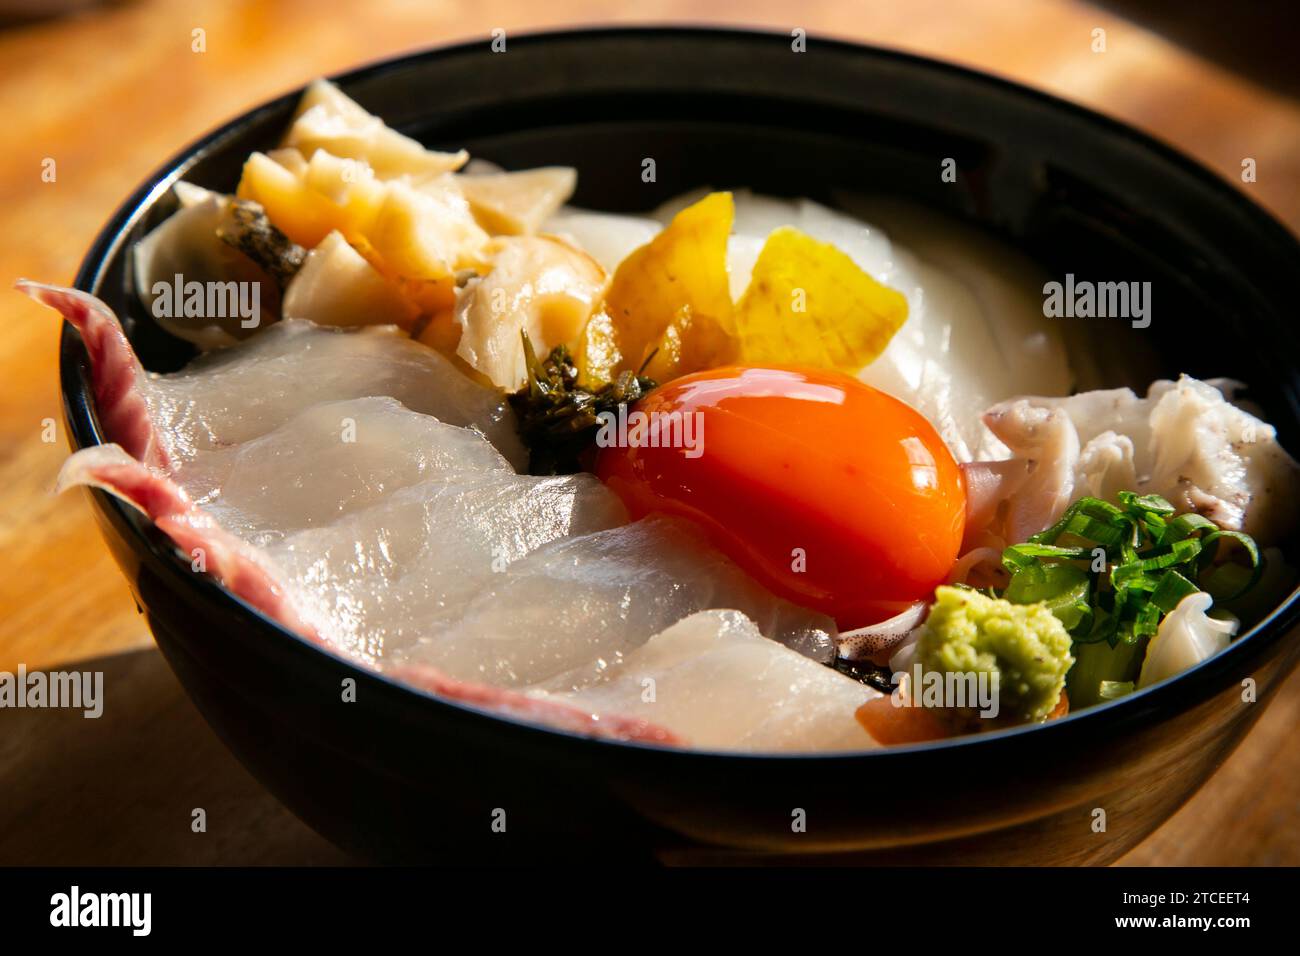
pixel 109 93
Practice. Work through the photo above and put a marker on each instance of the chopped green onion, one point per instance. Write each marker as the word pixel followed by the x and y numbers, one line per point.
pixel 1173 587
pixel 1100 663
pixel 1228 579
pixel 1106 534
pixel 1026 555
pixel 1224 582
pixel 1151 504
pixel 1147 620
pixel 1190 525
pixel 1064 588
pixel 1093 508
pixel 1153 559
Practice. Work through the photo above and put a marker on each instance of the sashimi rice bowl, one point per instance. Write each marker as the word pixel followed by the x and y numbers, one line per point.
pixel 740 473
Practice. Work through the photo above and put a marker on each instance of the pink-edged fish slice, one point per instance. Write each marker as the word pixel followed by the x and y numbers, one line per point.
pixel 117 377
pixel 241 568
pixel 250 575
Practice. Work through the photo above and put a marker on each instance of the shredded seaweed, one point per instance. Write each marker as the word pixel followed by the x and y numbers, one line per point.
pixel 250 231
pixel 558 417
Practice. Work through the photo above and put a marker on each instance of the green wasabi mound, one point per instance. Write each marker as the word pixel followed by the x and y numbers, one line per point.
pixel 1025 645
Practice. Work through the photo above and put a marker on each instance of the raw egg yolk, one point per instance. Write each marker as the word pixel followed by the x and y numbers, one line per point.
pixel 833 494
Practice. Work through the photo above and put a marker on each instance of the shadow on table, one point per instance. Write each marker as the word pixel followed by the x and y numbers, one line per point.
pixel 123 789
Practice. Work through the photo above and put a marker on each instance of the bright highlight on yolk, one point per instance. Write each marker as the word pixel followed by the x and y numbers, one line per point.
pixel 835 495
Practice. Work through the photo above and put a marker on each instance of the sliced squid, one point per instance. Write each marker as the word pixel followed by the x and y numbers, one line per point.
pixel 1185 441
pixel 1187 636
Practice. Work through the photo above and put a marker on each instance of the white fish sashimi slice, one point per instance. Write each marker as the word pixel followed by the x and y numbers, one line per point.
pixel 396 573
pixel 330 460
pixel 714 679
pixel 582 602
pixel 253 577
pixel 233 396
pixel 240 567
pixel 227 397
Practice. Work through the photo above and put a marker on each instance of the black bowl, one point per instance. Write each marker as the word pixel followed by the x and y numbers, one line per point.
pixel 402 775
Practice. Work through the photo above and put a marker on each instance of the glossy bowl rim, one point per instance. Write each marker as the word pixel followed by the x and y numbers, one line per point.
pixel 1157 702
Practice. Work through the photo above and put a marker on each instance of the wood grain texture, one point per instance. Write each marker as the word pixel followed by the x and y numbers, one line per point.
pixel 110 93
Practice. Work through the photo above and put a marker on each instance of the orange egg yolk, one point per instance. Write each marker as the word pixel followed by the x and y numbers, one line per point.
pixel 833 494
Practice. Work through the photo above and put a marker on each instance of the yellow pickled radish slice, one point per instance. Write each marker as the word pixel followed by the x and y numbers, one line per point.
pixel 684 267
pixel 809 304
pixel 689 345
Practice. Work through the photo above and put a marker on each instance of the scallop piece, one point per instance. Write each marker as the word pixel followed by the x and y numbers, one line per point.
pixel 596 597
pixel 539 285
pixel 715 680
pixel 419 233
